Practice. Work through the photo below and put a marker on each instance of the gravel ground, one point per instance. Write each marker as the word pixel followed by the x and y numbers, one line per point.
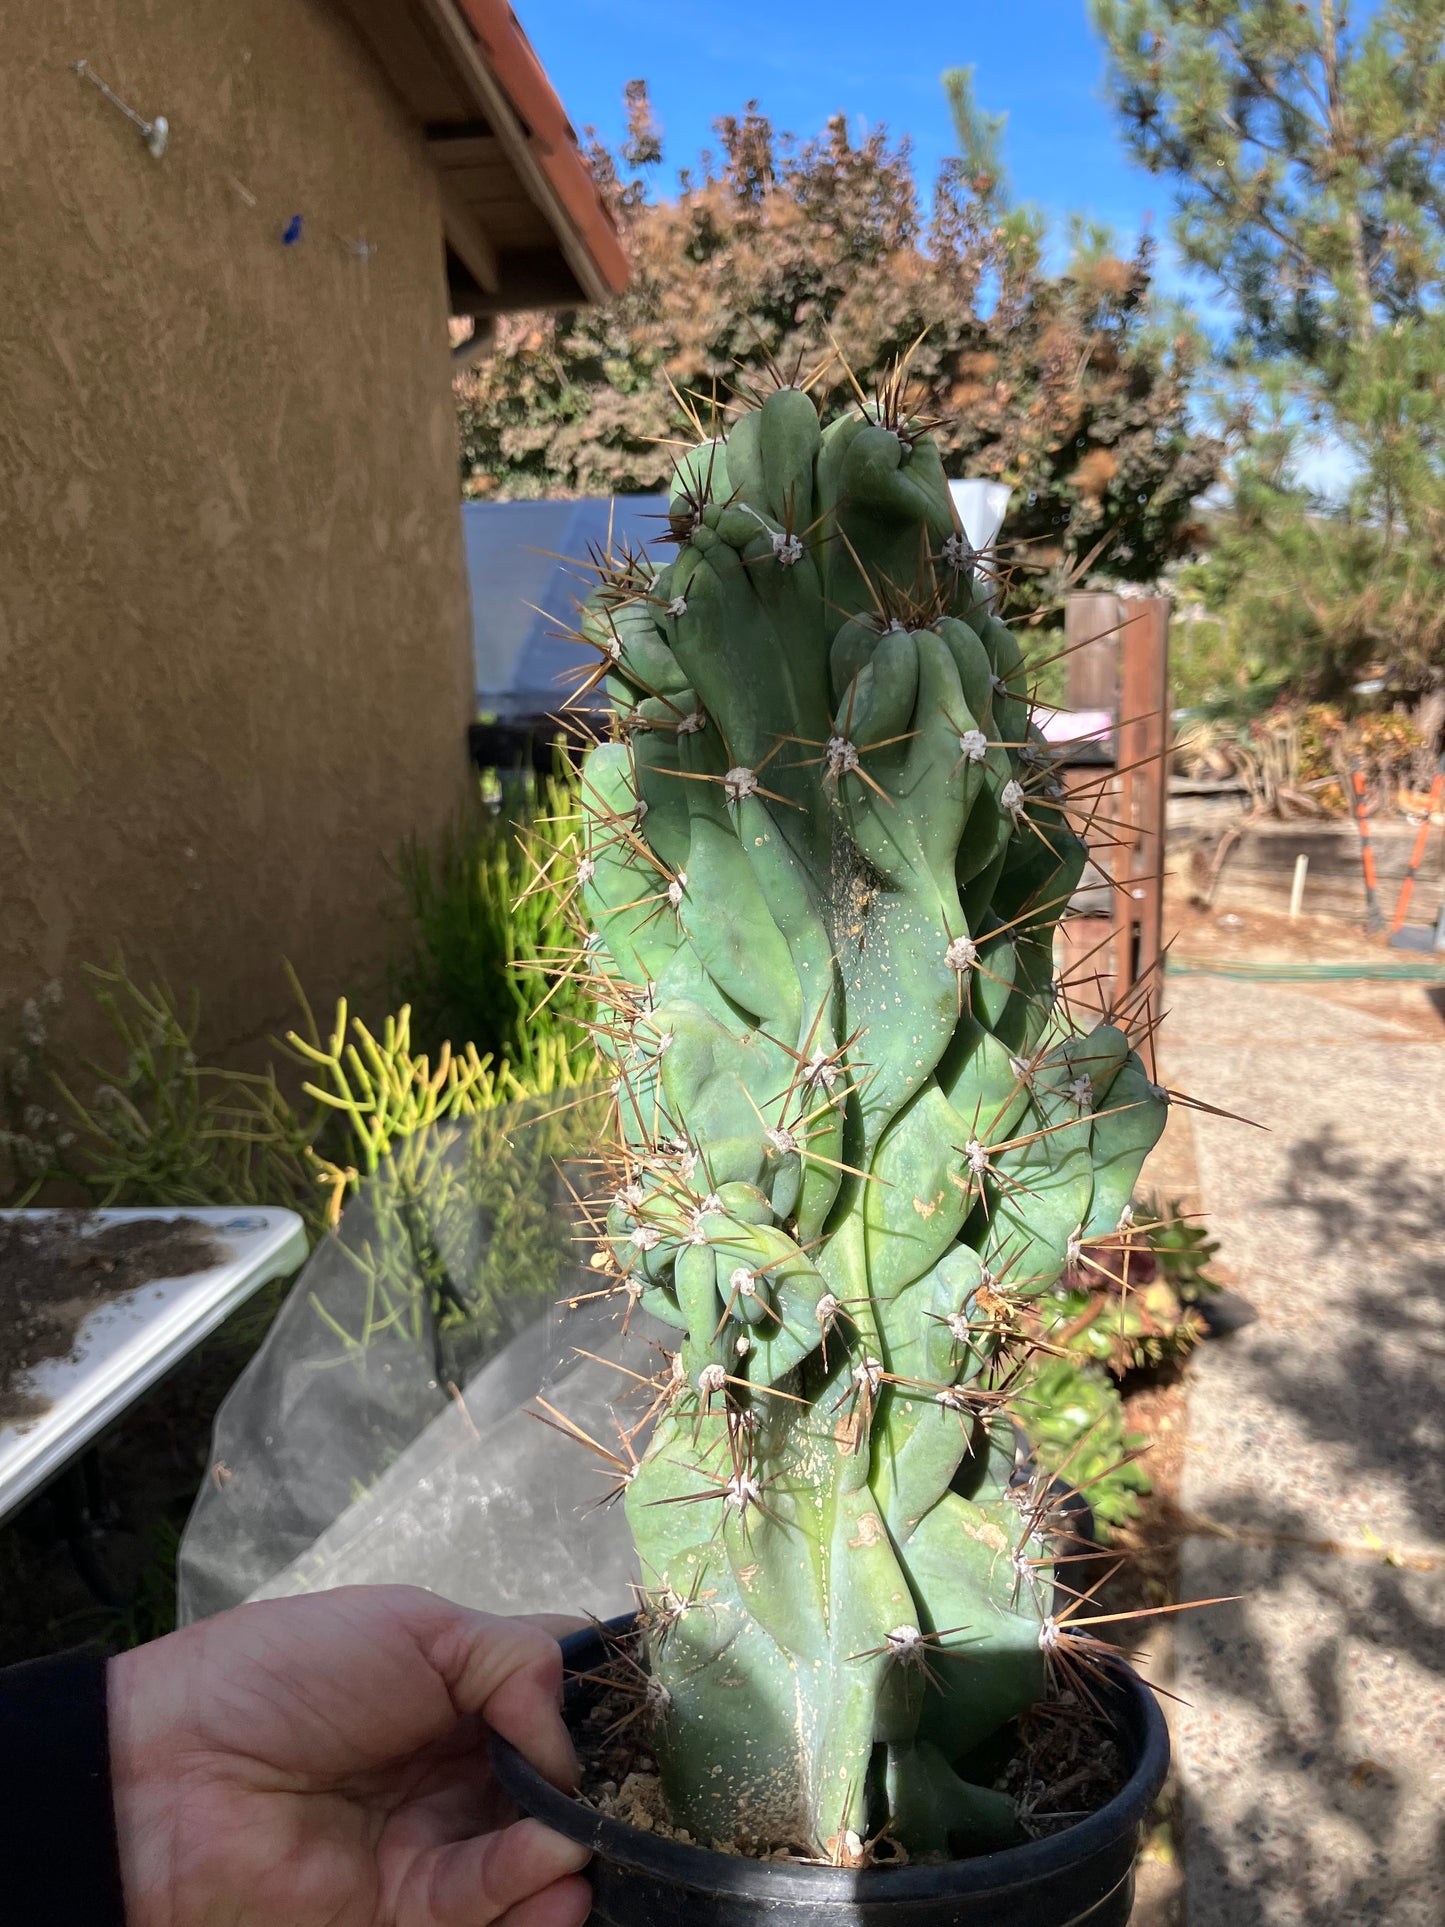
pixel 1312 1750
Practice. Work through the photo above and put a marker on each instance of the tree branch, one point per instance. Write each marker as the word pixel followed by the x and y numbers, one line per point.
pixel 1285 104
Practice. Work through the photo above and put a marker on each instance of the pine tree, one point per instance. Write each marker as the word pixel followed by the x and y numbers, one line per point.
pixel 1306 154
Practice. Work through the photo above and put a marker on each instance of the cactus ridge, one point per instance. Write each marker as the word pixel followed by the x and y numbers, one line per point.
pixel 857 1129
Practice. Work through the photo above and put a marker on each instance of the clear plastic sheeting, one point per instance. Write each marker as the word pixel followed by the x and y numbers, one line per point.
pixel 387 1428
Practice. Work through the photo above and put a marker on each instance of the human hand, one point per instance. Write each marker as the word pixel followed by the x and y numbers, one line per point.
pixel 322 1762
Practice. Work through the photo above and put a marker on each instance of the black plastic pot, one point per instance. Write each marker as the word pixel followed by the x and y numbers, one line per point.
pixel 1083 1877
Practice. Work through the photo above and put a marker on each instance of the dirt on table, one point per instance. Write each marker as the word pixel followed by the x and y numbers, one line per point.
pixel 56 1270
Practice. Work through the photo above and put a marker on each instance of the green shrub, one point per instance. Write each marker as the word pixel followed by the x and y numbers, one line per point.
pixel 1074 1416
pixel 488 940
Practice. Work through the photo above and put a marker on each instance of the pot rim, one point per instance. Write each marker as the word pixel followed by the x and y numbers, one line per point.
pixel 705 1869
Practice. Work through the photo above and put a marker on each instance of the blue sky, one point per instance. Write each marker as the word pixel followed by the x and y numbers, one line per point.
pixel 1039 61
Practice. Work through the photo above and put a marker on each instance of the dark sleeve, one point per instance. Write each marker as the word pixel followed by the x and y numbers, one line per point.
pixel 58 1858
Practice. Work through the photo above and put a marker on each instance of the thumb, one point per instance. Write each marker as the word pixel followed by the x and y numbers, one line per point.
pixel 523 1876
pixel 510 1672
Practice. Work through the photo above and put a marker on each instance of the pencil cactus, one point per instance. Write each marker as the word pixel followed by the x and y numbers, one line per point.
pixel 857 1128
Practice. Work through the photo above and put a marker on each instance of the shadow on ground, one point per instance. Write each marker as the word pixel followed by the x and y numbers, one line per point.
pixel 1379 1399
pixel 1334 1728
pixel 1314 1740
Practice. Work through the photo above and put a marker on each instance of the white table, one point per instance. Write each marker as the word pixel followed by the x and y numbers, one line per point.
pixel 126 1345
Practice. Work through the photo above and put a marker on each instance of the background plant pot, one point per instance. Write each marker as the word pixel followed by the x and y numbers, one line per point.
pixel 1083 1877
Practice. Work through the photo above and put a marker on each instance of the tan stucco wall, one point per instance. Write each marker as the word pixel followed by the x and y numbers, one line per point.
pixel 234 658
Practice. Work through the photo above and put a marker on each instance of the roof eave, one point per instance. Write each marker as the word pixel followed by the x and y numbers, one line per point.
pixel 513 92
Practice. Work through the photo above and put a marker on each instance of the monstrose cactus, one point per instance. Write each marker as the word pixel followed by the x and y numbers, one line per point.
pixel 857 1129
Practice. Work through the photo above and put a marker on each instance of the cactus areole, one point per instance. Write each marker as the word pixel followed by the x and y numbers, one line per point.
pixel 856 1130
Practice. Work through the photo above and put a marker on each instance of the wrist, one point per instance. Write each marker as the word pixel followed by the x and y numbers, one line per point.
pixel 138 1749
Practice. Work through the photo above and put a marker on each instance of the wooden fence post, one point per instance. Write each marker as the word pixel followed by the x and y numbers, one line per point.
pixel 1142 737
pixel 1091 668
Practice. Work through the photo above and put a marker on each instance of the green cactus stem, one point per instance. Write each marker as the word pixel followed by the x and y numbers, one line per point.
pixel 856 1126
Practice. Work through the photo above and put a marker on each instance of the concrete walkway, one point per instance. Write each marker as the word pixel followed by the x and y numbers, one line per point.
pixel 1311 1753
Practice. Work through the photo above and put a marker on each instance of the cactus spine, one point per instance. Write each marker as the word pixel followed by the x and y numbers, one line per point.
pixel 826 852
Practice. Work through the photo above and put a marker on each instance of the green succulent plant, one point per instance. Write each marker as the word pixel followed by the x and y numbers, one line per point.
pixel 1183 1250
pixel 1075 1421
pixel 857 1130
pixel 1131 1303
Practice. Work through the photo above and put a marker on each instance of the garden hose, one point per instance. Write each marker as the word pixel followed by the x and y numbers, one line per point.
pixel 1308 973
